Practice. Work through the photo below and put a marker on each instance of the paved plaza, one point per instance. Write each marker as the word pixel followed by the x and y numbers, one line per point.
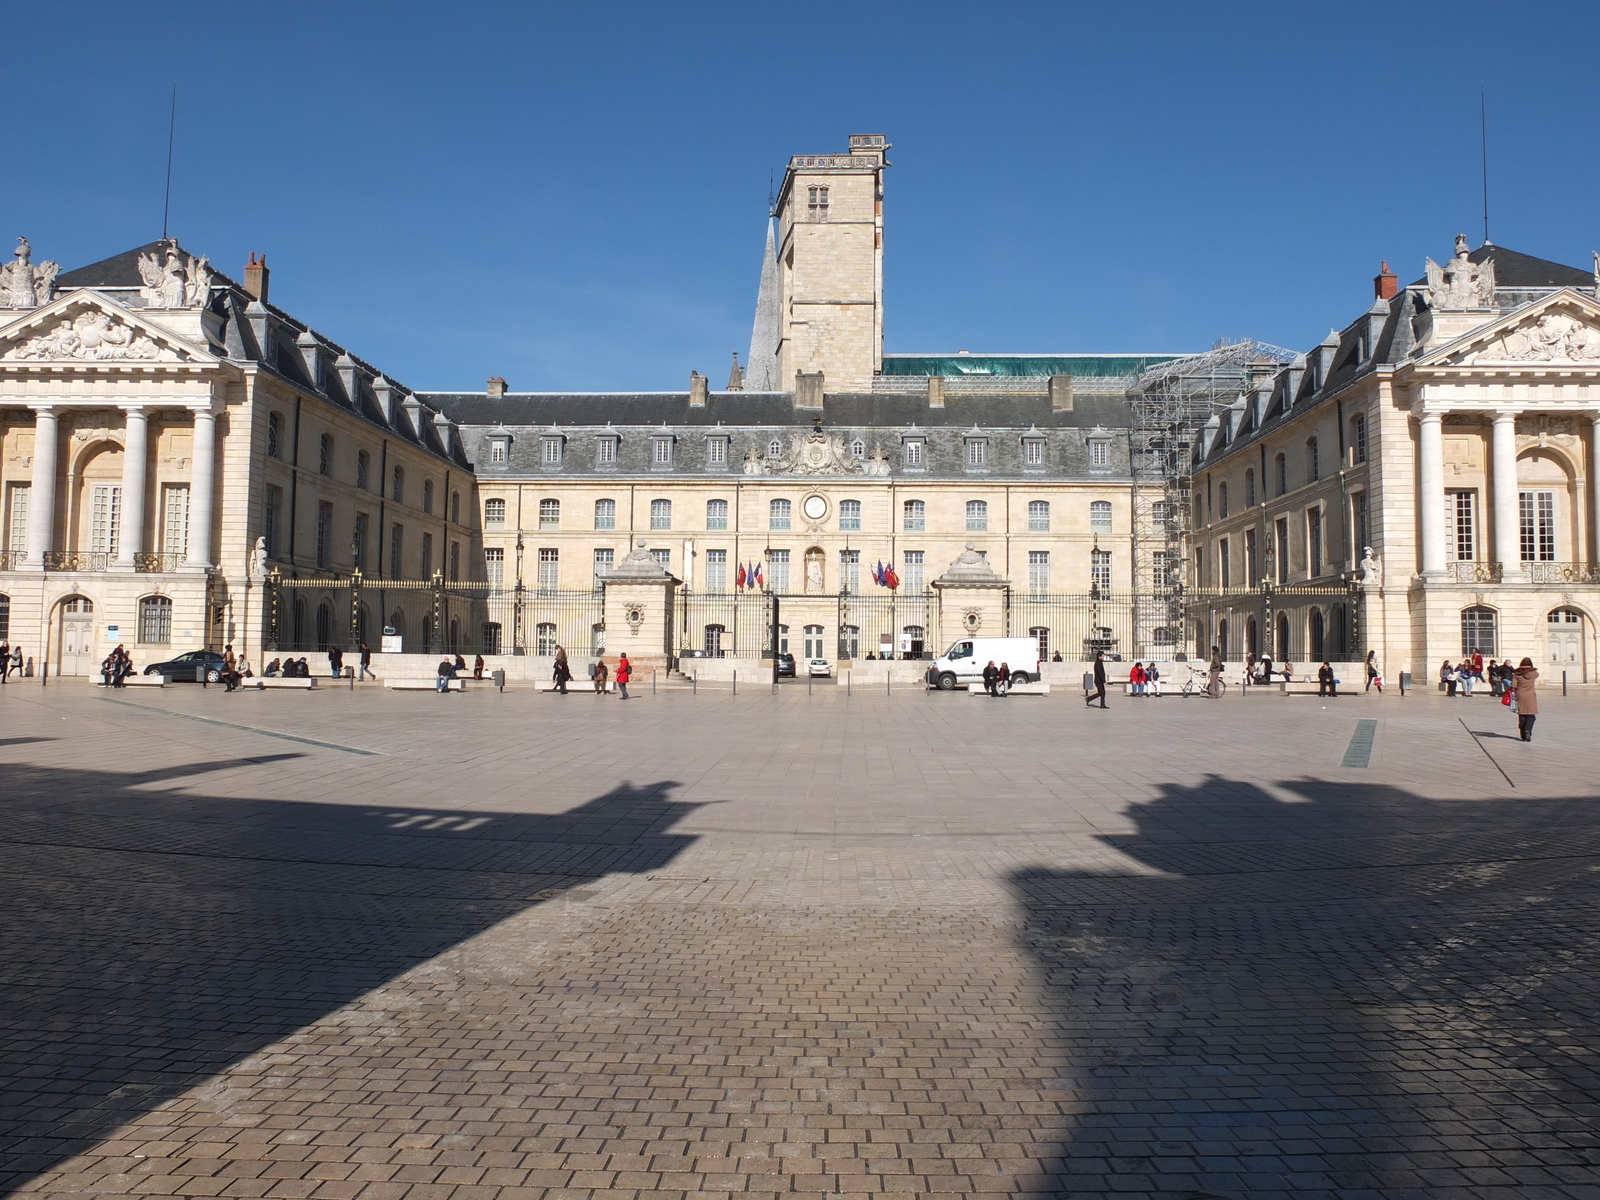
pixel 377 946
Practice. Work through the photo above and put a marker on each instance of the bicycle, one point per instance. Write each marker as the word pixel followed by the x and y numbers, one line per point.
pixel 1199 684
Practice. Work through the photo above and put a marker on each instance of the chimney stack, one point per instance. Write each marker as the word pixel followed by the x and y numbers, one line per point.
pixel 1385 283
pixel 935 391
pixel 256 277
pixel 699 389
pixel 497 387
pixel 1062 394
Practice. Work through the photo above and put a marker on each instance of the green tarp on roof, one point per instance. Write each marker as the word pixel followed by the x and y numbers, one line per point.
pixel 1002 365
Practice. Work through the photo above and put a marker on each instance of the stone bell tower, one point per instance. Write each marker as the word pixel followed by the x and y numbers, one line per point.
pixel 830 266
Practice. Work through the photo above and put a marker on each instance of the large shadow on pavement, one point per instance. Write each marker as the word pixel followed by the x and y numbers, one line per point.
pixel 150 939
pixel 1355 993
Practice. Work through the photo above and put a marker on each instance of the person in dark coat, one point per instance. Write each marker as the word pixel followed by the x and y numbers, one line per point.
pixel 1099 680
pixel 563 673
pixel 1527 698
pixel 366 664
pixel 335 661
pixel 990 676
pixel 1327 685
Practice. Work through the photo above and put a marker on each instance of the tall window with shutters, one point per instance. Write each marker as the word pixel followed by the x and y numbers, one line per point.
pixel 1039 571
pixel 494 566
pixel 105 519
pixel 549 570
pixel 911 576
pixel 17 517
pixel 175 520
pixel 1537 521
pixel 716 570
pixel 324 535
pixel 1100 571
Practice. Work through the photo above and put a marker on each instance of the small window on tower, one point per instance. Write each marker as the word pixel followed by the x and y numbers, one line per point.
pixel 817 198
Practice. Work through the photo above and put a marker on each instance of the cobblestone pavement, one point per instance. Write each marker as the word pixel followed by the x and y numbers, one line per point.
pixel 374 946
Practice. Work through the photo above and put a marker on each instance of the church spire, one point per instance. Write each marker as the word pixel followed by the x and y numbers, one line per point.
pixel 762 361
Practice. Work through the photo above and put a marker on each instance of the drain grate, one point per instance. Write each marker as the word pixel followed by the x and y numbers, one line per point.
pixel 1359 752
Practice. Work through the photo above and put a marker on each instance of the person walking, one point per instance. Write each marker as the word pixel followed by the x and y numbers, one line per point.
pixel 5 659
pixel 624 673
pixel 1327 685
pixel 366 664
pixel 1525 698
pixel 1447 676
pixel 16 660
pixel 600 674
pixel 335 661
pixel 1099 680
pixel 990 675
pixel 562 672
pixel 1214 688
pixel 1374 677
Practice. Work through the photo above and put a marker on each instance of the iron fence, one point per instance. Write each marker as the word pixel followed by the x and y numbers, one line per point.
pixel 896 625
pixel 724 624
pixel 1288 622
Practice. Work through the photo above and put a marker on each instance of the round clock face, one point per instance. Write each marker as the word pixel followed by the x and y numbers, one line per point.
pixel 815 507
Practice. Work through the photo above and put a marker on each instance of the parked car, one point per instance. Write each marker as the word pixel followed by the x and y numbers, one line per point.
pixel 819 668
pixel 187 668
pixel 785 665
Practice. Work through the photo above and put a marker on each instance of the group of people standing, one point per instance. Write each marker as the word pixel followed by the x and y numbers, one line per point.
pixel 599 674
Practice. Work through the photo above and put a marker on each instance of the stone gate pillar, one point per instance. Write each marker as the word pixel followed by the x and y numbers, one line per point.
pixel 639 597
pixel 972 600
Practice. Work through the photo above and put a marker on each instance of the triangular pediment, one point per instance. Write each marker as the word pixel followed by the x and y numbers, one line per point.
pixel 90 328
pixel 1562 329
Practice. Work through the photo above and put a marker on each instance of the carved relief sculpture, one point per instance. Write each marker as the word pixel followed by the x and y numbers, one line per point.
pixel 1461 283
pixel 752 462
pixel 174 278
pixel 1555 337
pixel 23 285
pixel 817 453
pixel 89 337
pixel 877 464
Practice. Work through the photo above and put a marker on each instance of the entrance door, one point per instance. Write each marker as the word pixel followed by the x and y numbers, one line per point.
pixel 814 641
pixel 77 637
pixel 1564 639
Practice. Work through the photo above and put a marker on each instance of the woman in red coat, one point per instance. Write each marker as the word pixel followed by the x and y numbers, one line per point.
pixel 624 673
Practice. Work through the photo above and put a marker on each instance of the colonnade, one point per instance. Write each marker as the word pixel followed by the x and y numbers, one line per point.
pixel 135 467
pixel 1503 487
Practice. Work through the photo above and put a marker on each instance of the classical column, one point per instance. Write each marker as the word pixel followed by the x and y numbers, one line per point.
pixel 1594 483
pixel 201 476
pixel 42 495
pixel 135 453
pixel 1503 479
pixel 1430 496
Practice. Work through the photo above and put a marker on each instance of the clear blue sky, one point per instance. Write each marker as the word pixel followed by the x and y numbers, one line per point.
pixel 573 195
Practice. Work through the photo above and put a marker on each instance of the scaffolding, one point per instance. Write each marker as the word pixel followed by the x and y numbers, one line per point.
pixel 1170 404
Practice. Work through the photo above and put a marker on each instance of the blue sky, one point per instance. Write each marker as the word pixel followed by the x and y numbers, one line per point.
pixel 573 196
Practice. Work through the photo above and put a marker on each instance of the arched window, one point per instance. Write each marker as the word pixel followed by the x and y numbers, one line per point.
pixel 494 514
pixel 544 639
pixel 549 514
pixel 850 516
pixel 1316 630
pixel 1313 466
pixel 363 469
pixel 455 508
pixel 915 516
pixel 427 496
pixel 324 625
pixel 716 514
pixel 661 514
pixel 713 640
pixel 155 620
pixel 274 435
pixel 778 514
pixel 1338 633
pixel 858 449
pixel 1222 500
pixel 1480 630
pixel 605 514
pixel 1039 516
pixel 1284 649
pixel 1100 515
pixel 299 629
pixel 1250 487
pixel 5 616
pixel 849 641
pixel 397 491
pixel 774 448
pixel 455 636
pixel 977 516
pixel 491 637
pixel 324 454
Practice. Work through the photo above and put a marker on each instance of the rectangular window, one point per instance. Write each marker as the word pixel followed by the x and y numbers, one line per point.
pixel 1537 513
pixel 17 518
pixel 661 514
pixel 552 451
pixel 549 514
pixel 1224 563
pixel 1100 516
pixel 850 570
pixel 716 570
pixel 1161 564
pixel 1038 516
pixel 603 562
pixel 497 450
pixel 455 562
pixel 1252 568
pixel 1358 504
pixel 1281 533
pixel 360 539
pixel 664 557
pixel 1358 438
pixel 778 570
pixel 661 455
pixel 1099 453
pixel 911 579
pixel 1100 570
pixel 494 514
pixel 397 545
pixel 778 515
pixel 977 516
pixel 175 519
pixel 716 514
pixel 850 516
pixel 1314 542
pixel 977 453
pixel 717 452
pixel 1033 452
pixel 427 555
pixel 605 452
pixel 105 519
pixel 916 513
pixel 494 566
pixel 1461 525
pixel 324 535
pixel 1039 571
pixel 549 570
pixel 914 453
pixel 1313 463
pixel 605 514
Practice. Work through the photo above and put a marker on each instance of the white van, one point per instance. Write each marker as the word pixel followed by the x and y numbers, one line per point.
pixel 964 662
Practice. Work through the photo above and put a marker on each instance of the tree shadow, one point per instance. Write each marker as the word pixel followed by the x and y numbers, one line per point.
pixel 154 938
pixel 1357 993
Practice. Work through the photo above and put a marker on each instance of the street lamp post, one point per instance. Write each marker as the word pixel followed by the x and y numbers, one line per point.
pixel 517 647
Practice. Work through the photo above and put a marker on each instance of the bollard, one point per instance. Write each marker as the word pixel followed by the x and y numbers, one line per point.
pixel 847 683
pixel 736 681
pixel 652 681
pixel 1405 678
pixel 808 685
pixel 886 685
pixel 694 683
pixel 1563 683
pixel 44 674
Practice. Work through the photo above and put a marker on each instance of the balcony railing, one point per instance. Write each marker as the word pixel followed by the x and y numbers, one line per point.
pixel 11 560
pixel 157 564
pixel 1476 572
pixel 1562 572
pixel 76 560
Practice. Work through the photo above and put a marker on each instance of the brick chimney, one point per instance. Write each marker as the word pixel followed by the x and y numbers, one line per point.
pixel 699 389
pixel 256 277
pixel 1385 283
pixel 497 387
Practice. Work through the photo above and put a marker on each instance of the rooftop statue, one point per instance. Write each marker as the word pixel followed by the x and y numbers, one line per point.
pixel 174 278
pixel 23 285
pixel 1461 283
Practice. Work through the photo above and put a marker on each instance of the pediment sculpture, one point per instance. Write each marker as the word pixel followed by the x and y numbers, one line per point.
pixel 89 337
pixel 24 285
pixel 877 464
pixel 174 278
pixel 817 453
pixel 1554 337
pixel 1461 283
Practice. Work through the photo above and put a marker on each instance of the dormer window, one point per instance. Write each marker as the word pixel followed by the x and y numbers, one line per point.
pixel 858 450
pixel 977 453
pixel 552 448
pixel 1033 450
pixel 716 452
pixel 774 448
pixel 914 450
pixel 499 449
pixel 661 451
pixel 605 450
pixel 1099 453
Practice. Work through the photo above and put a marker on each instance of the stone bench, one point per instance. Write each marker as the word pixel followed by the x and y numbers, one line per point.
pixel 575 685
pixel 294 682
pixel 138 681
pixel 425 685
pixel 1018 689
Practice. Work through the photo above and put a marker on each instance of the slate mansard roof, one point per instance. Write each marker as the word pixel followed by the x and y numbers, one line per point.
pixel 248 331
pixel 1382 337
